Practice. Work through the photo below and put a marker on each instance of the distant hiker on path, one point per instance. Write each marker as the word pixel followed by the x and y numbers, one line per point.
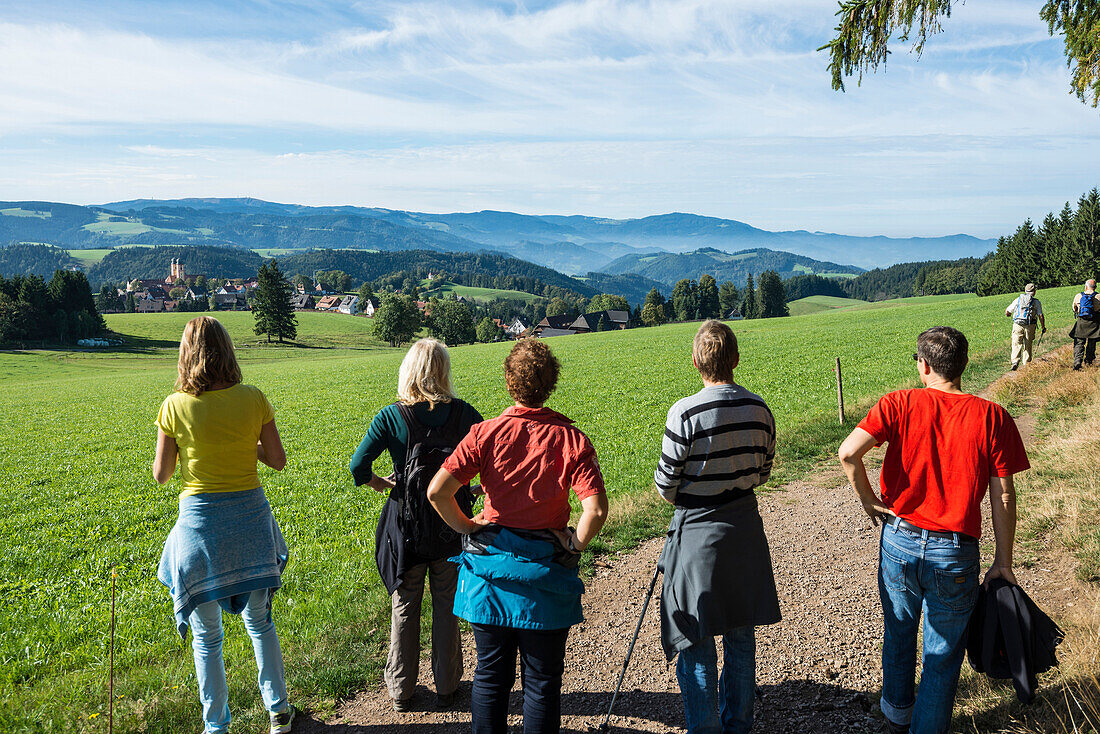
pixel 718 446
pixel 1025 311
pixel 1086 329
pixel 225 550
pixel 518 582
pixel 420 430
pixel 945 447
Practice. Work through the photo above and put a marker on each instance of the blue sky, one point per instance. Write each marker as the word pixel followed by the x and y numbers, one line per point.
pixel 600 107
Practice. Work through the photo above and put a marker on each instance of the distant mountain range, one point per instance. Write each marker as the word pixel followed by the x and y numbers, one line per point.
pixel 575 245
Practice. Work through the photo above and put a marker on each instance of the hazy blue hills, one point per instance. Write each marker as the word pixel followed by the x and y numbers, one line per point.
pixel 578 243
pixel 667 267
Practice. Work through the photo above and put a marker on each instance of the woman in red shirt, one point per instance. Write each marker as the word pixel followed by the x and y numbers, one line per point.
pixel 518 582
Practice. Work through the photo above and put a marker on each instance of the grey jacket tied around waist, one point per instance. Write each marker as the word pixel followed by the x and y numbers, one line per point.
pixel 717 574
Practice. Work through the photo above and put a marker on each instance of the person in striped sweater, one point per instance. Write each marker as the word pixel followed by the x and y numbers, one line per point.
pixel 718 447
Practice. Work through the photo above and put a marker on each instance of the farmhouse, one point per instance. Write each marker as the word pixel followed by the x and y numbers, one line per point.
pixel 302 301
pixel 591 321
pixel 547 333
pixel 329 303
pixel 150 305
pixel 368 307
pixel 516 328
pixel 553 322
pixel 349 305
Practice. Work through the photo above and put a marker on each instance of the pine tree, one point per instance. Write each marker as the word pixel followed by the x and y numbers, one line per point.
pixel 728 297
pixel 684 299
pixel 271 305
pixel 862 36
pixel 1085 238
pixel 748 302
pixel 771 296
pixel 710 306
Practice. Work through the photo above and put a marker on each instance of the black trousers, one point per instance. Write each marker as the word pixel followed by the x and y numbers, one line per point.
pixel 542 654
pixel 1083 350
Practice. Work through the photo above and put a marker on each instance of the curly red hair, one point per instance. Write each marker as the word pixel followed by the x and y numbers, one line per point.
pixel 531 372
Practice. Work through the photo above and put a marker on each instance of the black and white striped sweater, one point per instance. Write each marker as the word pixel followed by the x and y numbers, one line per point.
pixel 718 445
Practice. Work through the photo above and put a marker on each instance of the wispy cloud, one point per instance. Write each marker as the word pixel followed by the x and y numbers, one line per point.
pixel 605 106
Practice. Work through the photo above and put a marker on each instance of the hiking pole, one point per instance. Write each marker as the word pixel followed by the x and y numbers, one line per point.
pixel 605 727
pixel 111 680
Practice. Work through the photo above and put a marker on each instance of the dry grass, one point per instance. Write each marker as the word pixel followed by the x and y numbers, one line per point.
pixel 1059 501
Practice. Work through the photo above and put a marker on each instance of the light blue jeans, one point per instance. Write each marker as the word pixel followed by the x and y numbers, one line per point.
pixel 714 704
pixel 938 577
pixel 206 642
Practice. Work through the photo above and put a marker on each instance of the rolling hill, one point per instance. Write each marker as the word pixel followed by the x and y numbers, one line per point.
pixel 668 268
pixel 596 240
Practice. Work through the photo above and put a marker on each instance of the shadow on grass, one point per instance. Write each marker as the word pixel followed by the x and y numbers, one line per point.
pixel 1069 705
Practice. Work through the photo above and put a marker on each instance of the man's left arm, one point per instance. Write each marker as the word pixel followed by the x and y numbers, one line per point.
pixel 1002 501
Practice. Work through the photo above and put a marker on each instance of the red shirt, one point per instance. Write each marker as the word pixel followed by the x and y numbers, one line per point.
pixel 942 450
pixel 528 459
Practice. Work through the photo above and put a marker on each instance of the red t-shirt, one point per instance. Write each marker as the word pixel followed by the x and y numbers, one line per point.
pixel 942 448
pixel 528 459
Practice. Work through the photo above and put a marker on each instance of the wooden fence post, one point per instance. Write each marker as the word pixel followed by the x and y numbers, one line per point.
pixel 839 392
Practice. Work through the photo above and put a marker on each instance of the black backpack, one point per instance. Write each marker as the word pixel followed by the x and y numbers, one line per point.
pixel 424 532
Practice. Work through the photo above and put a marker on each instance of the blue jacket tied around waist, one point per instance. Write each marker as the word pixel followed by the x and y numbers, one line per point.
pixel 224 546
pixel 516 583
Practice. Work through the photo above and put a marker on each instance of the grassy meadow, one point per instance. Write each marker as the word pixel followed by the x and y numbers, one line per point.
pixel 78 499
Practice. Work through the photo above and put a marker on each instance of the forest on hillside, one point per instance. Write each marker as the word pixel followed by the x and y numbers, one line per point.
pixel 1063 250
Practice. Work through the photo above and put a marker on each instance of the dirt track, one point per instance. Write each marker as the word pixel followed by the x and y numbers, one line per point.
pixel 818 670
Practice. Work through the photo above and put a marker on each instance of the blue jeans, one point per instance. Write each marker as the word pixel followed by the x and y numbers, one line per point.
pixel 713 703
pixel 206 642
pixel 542 659
pixel 939 577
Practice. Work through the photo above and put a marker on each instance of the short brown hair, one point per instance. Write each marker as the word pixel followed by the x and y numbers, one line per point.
pixel 206 357
pixel 715 351
pixel 945 350
pixel 531 372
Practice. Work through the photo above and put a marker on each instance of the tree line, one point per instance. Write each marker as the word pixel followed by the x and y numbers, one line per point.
pixel 1063 250
pixel 57 312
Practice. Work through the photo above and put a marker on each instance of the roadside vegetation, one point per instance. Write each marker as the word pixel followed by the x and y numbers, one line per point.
pixel 1059 502
pixel 77 430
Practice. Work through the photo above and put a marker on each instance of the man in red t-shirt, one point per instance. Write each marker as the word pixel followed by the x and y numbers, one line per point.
pixel 945 447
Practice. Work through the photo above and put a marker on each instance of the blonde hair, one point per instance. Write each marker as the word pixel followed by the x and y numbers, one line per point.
pixel 206 357
pixel 715 351
pixel 425 374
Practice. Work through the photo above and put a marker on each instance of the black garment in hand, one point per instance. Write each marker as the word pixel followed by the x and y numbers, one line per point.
pixel 1011 637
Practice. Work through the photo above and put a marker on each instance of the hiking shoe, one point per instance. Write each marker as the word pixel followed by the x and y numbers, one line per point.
pixel 893 728
pixel 283 722
pixel 1015 366
pixel 403 705
pixel 444 700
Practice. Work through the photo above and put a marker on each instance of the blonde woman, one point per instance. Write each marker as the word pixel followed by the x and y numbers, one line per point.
pixel 420 431
pixel 225 551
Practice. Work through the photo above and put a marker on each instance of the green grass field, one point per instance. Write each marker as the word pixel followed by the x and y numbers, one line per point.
pixel 78 499
pixel 814 304
pixel 481 295
pixel 87 258
pixel 17 212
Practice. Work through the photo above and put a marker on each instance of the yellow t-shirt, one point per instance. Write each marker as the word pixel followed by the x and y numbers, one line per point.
pixel 216 434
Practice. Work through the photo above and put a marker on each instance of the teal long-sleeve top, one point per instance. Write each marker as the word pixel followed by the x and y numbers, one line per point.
pixel 388 432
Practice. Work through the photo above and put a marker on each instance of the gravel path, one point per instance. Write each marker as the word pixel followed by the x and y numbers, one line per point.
pixel 818 670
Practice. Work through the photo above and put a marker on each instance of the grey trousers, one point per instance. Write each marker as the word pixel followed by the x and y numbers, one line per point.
pixel 403 662
pixel 1084 350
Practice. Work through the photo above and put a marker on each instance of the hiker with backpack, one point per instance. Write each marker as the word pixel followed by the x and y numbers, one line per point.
pixel 518 570
pixel 1025 311
pixel 420 431
pixel 1086 329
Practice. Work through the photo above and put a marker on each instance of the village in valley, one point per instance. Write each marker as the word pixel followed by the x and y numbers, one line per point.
pixel 183 291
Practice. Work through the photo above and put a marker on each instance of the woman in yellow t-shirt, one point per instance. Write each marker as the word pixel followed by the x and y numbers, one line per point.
pixel 226 550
